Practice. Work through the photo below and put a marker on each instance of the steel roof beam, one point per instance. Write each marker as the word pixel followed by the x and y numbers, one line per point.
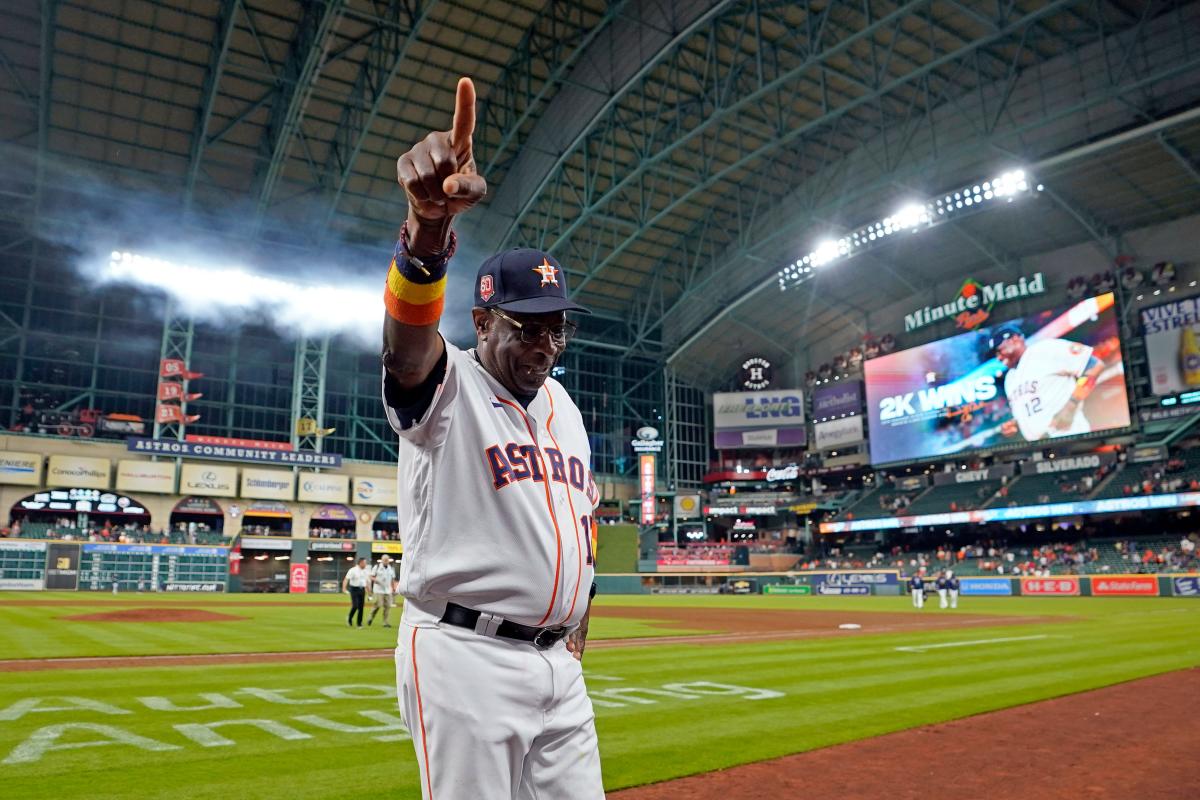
pixel 294 84
pixel 208 95
pixel 796 132
pixel 1188 164
pixel 388 48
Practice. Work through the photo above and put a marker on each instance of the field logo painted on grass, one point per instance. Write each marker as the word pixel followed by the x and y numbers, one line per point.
pixel 382 726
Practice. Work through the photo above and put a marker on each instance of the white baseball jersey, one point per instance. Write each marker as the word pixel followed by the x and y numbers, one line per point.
pixel 495 500
pixel 1041 384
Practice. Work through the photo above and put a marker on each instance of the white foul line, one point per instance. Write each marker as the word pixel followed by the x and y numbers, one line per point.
pixel 924 647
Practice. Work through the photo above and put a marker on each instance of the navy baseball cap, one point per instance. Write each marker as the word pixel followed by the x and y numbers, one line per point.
pixel 524 281
pixel 1002 333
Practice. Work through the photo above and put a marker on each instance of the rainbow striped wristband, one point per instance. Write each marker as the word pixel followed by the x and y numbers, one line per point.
pixel 415 293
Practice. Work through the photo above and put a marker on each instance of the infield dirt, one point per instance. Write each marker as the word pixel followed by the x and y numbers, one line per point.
pixel 1071 747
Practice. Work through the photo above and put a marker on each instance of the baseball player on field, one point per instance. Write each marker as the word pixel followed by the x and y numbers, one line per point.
pixel 496 503
pixel 1047 383
pixel 916 585
pixel 953 581
pixel 943 589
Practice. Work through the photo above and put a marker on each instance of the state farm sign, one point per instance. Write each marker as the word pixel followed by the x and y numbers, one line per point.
pixel 1126 585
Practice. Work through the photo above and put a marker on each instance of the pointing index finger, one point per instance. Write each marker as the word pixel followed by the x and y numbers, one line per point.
pixel 464 114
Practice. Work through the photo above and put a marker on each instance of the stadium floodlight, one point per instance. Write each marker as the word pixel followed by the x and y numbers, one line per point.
pixel 826 251
pixel 912 217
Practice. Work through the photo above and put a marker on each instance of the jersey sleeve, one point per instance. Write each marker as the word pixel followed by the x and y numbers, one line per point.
pixel 424 418
pixel 1071 358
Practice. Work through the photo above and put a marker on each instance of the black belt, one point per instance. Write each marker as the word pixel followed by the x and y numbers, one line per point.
pixel 541 638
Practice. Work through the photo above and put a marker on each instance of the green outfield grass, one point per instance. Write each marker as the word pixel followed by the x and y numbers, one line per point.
pixel 663 711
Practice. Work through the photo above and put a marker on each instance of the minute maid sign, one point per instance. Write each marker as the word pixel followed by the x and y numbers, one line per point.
pixel 974 303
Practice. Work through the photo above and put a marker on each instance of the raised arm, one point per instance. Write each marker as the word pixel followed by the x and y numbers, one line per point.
pixel 439 179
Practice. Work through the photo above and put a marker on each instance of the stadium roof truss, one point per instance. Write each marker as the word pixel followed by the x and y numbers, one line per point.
pixel 673 154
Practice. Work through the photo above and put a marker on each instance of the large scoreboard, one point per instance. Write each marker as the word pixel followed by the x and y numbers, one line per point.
pixel 178 568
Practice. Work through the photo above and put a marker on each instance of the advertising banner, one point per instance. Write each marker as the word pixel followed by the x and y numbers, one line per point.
pixel 22 584
pixel 787 588
pixel 248 455
pixel 269 508
pixel 985 587
pixel 974 475
pixel 773 418
pixel 687 506
pixel 208 480
pixel 197 505
pixel 113 548
pixel 839 399
pixel 298 578
pixel 1112 505
pixel 1060 585
pixel 268 484
pixel 374 491
pixel 387 547
pixel 825 588
pixel 1049 466
pixel 20 469
pixel 845 583
pixel 62 566
pixel 1047 375
pixel 265 543
pixel 646 479
pixel 1143 453
pixel 21 546
pixel 226 441
pixel 334 512
pixel 324 488
pixel 331 546
pixel 838 432
pixel 157 477
pixel 184 586
pixel 1125 585
pixel 1186 587
pixel 1172 334
pixel 86 473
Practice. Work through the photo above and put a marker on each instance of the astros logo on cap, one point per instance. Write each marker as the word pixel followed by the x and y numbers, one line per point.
pixel 547 271
pixel 486 290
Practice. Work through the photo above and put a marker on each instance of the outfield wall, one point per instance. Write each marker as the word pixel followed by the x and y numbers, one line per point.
pixel 890 582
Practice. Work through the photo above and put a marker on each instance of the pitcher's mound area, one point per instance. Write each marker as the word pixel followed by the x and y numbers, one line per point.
pixel 156 615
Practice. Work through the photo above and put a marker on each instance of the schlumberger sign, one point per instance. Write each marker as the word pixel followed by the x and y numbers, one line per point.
pixel 974 303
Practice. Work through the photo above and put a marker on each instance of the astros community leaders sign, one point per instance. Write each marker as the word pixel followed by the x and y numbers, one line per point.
pixel 252 455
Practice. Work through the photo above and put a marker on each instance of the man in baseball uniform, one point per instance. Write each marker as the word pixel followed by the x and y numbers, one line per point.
pixel 916 585
pixel 953 581
pixel 496 503
pixel 383 587
pixel 943 589
pixel 1046 383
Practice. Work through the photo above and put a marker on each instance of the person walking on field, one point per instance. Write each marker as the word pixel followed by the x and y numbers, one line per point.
pixel 383 587
pixel 943 587
pixel 916 585
pixel 496 504
pixel 356 581
pixel 953 589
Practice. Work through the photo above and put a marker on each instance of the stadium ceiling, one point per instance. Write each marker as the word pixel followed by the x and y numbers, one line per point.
pixel 673 155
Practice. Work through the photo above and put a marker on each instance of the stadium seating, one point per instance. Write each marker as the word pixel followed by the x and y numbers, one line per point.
pixel 954 497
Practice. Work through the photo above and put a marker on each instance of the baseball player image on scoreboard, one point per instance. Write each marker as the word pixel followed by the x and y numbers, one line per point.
pixel 1049 381
pixel 495 502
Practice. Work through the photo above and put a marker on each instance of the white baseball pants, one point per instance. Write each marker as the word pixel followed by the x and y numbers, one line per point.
pixel 942 598
pixel 496 719
pixel 918 598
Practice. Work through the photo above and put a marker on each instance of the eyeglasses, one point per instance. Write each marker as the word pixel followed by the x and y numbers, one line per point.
pixel 532 332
